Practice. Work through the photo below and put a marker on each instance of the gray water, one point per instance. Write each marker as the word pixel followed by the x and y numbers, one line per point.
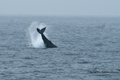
pixel 88 49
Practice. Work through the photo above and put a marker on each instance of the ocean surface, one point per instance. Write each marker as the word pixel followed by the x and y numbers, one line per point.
pixel 88 49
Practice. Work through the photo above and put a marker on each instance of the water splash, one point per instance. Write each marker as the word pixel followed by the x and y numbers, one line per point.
pixel 35 38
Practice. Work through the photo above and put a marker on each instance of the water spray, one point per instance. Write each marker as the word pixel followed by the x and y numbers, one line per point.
pixel 35 38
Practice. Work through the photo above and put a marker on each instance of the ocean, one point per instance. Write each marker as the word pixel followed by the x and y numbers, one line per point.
pixel 88 48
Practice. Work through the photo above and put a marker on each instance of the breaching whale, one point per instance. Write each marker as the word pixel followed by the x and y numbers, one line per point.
pixel 47 42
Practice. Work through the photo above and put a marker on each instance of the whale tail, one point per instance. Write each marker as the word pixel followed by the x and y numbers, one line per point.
pixel 41 31
pixel 47 42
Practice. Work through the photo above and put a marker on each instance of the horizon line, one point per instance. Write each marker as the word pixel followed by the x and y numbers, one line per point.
pixel 37 15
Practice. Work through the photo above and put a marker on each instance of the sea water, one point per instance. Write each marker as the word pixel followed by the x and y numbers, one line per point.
pixel 88 48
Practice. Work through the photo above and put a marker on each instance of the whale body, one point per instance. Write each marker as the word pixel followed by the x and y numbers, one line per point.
pixel 48 43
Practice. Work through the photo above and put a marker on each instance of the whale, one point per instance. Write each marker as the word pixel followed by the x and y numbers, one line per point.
pixel 47 42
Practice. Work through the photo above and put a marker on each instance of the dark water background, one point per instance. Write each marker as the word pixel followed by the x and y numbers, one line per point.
pixel 88 49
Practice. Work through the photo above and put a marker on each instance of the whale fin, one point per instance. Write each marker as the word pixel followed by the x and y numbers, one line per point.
pixel 41 31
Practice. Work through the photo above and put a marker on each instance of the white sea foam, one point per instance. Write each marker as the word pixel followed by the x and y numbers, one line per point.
pixel 35 38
